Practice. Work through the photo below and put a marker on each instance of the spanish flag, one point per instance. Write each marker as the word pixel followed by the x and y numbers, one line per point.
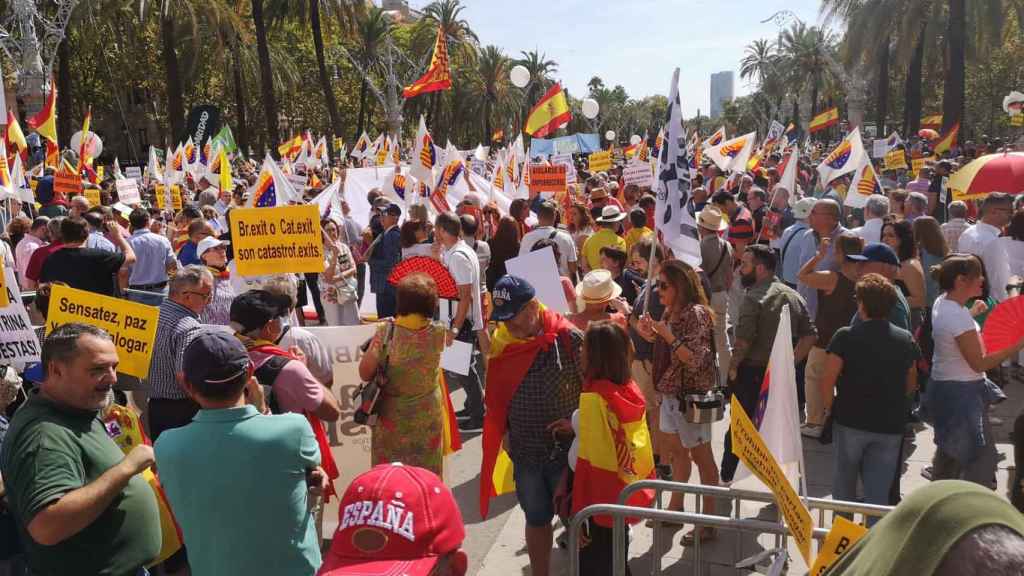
pixel 934 121
pixel 83 146
pixel 551 113
pixel 614 447
pixel 14 136
pixel 947 140
pixel 290 147
pixel 438 76
pixel 45 122
pixel 824 120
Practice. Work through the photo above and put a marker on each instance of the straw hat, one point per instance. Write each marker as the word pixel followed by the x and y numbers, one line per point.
pixel 597 287
pixel 710 218
pixel 610 214
pixel 599 193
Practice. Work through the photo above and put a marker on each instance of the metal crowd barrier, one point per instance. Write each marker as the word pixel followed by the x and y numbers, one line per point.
pixel 733 522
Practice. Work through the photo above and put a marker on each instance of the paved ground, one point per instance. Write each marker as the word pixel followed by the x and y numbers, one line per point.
pixel 496 545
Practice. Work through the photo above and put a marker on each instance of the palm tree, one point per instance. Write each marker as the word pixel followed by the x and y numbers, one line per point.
pixel 373 28
pixel 804 48
pixel 266 76
pixel 541 70
pixel 761 64
pixel 345 12
pixel 492 67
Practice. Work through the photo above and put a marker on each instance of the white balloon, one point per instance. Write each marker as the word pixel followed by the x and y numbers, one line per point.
pixel 590 108
pixel 609 135
pixel 519 76
pixel 634 139
pixel 95 143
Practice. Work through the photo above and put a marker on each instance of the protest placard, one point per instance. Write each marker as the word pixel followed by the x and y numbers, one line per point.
pixel 843 535
pixel 67 182
pixel 570 168
pixel 175 197
pixel 18 342
pixel 600 161
pixel 545 178
pixel 131 325
pixel 540 270
pixel 128 191
pixel 277 240
pixel 133 172
pixel 750 448
pixel 93 196
pixel 350 442
pixel 638 173
pixel 879 147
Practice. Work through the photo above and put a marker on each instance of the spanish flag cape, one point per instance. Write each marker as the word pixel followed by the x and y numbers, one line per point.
pixel 614 447
pixel 510 359
pixel 326 457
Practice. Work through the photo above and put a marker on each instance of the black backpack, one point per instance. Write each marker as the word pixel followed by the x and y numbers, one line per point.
pixel 266 375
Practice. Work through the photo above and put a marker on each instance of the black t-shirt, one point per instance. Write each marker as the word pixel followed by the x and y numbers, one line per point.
pixel 84 268
pixel 630 282
pixel 871 391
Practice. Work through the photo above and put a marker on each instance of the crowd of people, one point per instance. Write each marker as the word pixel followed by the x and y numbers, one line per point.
pixel 885 304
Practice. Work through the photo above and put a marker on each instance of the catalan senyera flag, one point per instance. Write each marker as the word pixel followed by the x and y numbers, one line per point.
pixel 847 157
pixel 551 113
pixel 14 136
pixel 715 139
pixel 362 144
pixel 614 447
pixel 824 120
pixel 946 142
pixel 933 121
pixel 438 76
pixel 865 183
pixel 52 154
pixel 45 122
pixel 424 157
pixel 83 147
pixel 290 147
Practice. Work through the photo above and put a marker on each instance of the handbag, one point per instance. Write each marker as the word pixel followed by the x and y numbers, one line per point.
pixel 706 407
pixel 368 393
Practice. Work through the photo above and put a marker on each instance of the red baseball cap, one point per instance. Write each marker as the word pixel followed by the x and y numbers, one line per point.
pixel 394 520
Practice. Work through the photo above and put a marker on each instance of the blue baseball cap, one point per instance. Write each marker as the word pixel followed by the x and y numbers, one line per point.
pixel 510 295
pixel 876 252
pixel 214 357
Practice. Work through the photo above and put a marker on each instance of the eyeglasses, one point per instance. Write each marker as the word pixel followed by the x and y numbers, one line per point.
pixel 204 295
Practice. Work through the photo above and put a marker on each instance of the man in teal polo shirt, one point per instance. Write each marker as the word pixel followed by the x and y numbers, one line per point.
pixel 81 505
pixel 239 481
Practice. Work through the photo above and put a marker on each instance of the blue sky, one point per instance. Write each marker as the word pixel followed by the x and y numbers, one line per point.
pixel 635 43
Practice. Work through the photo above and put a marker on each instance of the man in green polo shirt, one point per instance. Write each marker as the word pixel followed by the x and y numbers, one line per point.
pixel 81 505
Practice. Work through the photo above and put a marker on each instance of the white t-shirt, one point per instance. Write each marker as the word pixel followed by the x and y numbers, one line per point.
pixel 950 320
pixel 462 262
pixel 566 247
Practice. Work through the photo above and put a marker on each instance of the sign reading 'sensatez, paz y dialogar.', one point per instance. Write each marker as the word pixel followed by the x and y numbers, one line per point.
pixel 278 240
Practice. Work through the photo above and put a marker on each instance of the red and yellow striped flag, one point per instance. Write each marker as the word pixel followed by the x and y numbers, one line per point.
pixel 14 136
pixel 824 120
pixel 45 122
pixel 551 113
pixel 614 447
pixel 946 142
pixel 438 76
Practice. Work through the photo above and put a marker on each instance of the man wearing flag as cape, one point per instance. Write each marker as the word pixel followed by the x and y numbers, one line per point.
pixel 534 380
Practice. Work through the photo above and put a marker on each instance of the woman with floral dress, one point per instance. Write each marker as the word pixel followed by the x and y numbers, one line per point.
pixel 338 286
pixel 410 419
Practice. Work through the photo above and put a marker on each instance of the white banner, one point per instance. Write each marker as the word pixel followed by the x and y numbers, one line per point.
pixel 128 191
pixel 879 147
pixel 639 173
pixel 133 171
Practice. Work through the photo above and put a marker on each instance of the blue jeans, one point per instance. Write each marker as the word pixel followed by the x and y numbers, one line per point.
pixel 870 456
pixel 535 490
pixel 149 298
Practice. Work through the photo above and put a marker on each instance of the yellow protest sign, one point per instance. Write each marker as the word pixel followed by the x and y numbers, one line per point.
pixel 277 240
pixel 748 446
pixel 176 197
pixel 1017 120
pixel 599 161
pixel 161 196
pixel 131 325
pixel 93 196
pixel 843 535
pixel 99 173
pixel 547 178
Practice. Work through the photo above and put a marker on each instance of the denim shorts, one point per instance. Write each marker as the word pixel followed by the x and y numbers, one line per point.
pixel 535 490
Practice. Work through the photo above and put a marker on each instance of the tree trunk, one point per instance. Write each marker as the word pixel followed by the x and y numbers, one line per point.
pixel 882 94
pixel 65 98
pixel 912 107
pixel 236 74
pixel 487 121
pixel 956 46
pixel 325 81
pixel 361 124
pixel 266 77
pixel 175 99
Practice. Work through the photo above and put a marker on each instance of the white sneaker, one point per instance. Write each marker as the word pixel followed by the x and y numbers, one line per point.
pixel 811 431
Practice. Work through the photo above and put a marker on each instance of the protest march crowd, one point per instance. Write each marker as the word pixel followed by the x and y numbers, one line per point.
pixel 169 413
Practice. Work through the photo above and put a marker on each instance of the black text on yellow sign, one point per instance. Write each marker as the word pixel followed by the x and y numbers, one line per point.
pixel 547 178
pixel 748 446
pixel 277 240
pixel 131 325
pixel 843 535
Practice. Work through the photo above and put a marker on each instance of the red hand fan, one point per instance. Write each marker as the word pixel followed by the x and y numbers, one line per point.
pixel 425 265
pixel 1004 326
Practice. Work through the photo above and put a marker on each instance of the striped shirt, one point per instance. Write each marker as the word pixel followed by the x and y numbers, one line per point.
pixel 741 226
pixel 177 327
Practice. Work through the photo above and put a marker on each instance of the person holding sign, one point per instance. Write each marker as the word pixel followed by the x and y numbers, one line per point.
pixel 81 503
pixel 84 268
